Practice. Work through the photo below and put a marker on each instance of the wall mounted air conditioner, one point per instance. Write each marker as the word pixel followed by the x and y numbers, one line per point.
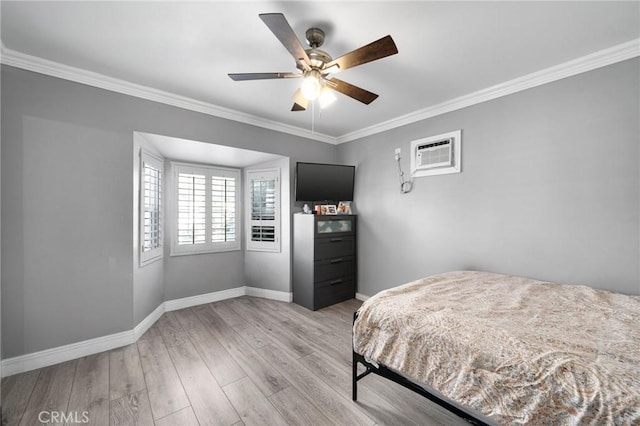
pixel 436 155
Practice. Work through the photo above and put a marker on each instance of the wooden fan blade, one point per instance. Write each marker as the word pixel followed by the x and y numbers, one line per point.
pixel 376 50
pixel 263 75
pixel 352 91
pixel 279 26
pixel 299 102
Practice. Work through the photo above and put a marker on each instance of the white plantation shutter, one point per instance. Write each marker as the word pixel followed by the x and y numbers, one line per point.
pixel 191 208
pixel 263 188
pixel 263 209
pixel 223 209
pixel 152 200
pixel 150 208
pixel 206 209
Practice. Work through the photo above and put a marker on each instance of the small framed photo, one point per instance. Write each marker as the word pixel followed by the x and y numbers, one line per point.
pixel 329 209
pixel 344 207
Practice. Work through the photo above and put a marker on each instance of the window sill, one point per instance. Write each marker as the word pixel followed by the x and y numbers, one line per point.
pixel 191 253
pixel 266 250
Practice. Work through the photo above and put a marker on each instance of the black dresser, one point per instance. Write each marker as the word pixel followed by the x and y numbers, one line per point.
pixel 324 259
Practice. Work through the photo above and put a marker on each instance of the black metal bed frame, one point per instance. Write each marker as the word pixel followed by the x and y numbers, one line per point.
pixel 385 372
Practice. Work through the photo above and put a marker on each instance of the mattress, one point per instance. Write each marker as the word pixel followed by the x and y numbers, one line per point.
pixel 517 350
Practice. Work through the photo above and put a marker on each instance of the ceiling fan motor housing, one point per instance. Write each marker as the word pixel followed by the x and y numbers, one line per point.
pixel 317 57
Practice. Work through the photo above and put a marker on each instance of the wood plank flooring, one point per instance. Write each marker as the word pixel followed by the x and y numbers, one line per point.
pixel 244 361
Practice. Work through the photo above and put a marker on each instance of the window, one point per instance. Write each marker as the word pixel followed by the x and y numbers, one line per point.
pixel 263 214
pixel 150 208
pixel 206 209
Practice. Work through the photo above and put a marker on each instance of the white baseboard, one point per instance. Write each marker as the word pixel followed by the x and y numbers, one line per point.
pixel 52 356
pixel 201 299
pixel 269 294
pixel 146 323
pixel 47 357
pixel 361 297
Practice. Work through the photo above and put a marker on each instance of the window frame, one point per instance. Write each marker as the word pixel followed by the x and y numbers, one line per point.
pixel 209 171
pixel 264 246
pixel 156 253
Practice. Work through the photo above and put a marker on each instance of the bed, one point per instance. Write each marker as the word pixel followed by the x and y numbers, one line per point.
pixel 499 349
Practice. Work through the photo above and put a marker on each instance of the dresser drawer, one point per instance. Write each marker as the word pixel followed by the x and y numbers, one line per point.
pixel 335 226
pixel 330 269
pixel 333 291
pixel 334 247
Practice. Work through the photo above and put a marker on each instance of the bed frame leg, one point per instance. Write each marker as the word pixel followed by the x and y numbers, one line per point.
pixel 354 368
pixel 354 377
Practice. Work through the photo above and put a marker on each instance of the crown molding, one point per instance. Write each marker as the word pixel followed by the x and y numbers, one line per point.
pixel 44 66
pixel 612 55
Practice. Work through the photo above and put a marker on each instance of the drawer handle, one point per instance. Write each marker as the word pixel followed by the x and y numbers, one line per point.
pixel 336 240
pixel 334 282
pixel 336 260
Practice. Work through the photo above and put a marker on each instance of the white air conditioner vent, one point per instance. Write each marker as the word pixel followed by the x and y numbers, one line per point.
pixel 436 155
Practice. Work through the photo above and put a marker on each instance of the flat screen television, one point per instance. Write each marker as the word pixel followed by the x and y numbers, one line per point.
pixel 324 182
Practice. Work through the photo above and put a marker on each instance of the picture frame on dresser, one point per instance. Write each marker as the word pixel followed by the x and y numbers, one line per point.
pixel 329 209
pixel 344 207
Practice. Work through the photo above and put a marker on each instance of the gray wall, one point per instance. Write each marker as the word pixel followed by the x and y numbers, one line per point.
pixel 267 270
pixel 148 280
pixel 0 244
pixel 67 159
pixel 549 189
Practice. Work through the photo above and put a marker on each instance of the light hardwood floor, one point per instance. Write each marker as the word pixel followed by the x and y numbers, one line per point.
pixel 240 361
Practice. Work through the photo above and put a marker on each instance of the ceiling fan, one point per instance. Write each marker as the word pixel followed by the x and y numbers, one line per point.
pixel 317 67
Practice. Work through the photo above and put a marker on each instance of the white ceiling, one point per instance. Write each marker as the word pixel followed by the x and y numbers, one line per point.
pixel 446 49
pixel 178 149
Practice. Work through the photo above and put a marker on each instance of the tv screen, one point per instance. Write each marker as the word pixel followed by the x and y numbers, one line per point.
pixel 324 182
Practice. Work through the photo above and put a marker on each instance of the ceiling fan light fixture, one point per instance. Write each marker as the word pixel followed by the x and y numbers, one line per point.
pixel 327 97
pixel 311 85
